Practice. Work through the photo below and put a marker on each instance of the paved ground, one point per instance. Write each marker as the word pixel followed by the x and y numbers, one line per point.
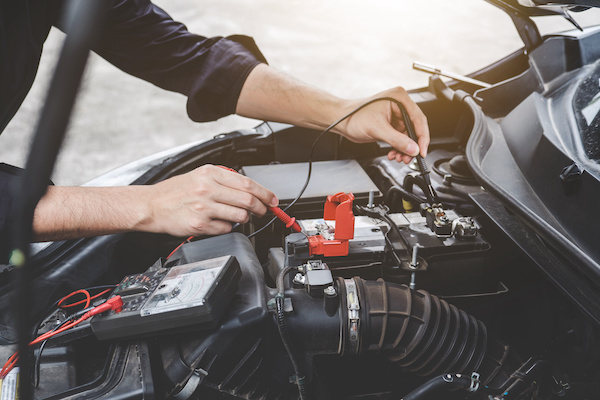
pixel 350 47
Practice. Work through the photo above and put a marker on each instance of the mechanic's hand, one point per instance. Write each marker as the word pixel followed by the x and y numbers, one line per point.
pixel 207 201
pixel 382 120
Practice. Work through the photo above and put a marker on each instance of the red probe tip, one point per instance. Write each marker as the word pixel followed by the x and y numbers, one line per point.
pixel 289 222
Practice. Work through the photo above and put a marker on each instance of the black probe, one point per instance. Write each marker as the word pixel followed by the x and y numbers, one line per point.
pixel 430 194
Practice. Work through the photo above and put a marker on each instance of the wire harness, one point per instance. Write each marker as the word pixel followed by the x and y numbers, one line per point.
pixel 114 303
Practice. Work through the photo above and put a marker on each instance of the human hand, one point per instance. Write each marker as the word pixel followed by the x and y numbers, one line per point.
pixel 382 120
pixel 206 201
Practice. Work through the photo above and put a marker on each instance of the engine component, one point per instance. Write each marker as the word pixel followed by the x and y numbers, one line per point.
pixel 387 240
pixel 352 317
pixel 415 329
pixel 453 184
pixel 126 373
pixel 315 276
pixel 445 382
pixel 437 220
pixel 228 358
pixel 442 225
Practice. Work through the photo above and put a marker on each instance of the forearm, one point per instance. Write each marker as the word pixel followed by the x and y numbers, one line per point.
pixel 271 95
pixel 205 201
pixel 75 212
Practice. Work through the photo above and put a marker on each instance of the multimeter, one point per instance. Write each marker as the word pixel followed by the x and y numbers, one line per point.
pixel 191 296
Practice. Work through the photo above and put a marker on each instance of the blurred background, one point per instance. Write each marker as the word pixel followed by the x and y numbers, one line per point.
pixel 352 48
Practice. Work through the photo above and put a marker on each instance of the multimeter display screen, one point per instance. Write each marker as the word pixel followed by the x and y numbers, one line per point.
pixel 184 286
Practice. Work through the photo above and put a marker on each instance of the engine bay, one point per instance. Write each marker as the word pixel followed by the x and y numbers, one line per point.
pixel 382 294
pixel 409 293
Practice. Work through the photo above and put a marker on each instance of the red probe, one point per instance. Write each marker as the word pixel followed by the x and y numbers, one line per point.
pixel 290 222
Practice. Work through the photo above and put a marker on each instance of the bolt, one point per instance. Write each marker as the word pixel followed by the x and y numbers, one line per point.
pixel 413 279
pixel 414 263
pixel 329 291
pixel 371 199
pixel 299 279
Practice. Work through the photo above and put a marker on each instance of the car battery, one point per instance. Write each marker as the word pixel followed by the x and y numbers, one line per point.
pixel 287 180
pixel 377 250
pixel 327 177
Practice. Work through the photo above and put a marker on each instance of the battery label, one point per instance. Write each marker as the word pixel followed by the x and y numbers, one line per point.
pixel 10 386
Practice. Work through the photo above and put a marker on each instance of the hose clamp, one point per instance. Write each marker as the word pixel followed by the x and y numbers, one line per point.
pixel 353 305
pixel 475 382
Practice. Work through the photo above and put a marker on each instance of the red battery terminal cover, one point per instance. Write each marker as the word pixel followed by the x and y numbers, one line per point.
pixel 338 208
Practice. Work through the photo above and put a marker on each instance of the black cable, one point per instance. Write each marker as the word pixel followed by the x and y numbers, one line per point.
pixel 407 123
pixel 279 282
pixel 36 372
pixel 384 216
pixel 430 192
pixel 285 339
pixel 411 180
pixel 299 378
pixel 404 195
pixel 38 358
pixel 71 318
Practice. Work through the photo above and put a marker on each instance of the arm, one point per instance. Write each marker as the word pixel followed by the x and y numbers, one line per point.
pixel 144 41
pixel 204 201
pixel 271 95
pixel 221 76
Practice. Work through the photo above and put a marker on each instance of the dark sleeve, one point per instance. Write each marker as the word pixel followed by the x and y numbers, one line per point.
pixel 143 40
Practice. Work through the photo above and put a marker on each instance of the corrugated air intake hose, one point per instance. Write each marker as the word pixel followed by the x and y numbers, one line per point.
pixel 422 333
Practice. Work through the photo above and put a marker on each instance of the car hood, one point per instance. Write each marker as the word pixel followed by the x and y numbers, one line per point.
pixel 538 7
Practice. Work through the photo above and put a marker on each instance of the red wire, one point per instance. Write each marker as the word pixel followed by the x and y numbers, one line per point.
pixel 81 301
pixel 87 300
pixel 114 303
pixel 10 363
pixel 49 334
pixel 177 248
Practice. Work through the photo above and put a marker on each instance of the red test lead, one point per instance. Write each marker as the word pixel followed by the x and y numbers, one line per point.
pixel 290 222
pixel 114 303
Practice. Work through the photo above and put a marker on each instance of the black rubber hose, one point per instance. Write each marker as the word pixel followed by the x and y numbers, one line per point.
pixel 422 333
pixel 439 384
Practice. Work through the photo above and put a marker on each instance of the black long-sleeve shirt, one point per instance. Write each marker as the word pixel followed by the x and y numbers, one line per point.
pixel 137 37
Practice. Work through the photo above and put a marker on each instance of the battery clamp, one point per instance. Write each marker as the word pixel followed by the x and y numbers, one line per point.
pixel 338 208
